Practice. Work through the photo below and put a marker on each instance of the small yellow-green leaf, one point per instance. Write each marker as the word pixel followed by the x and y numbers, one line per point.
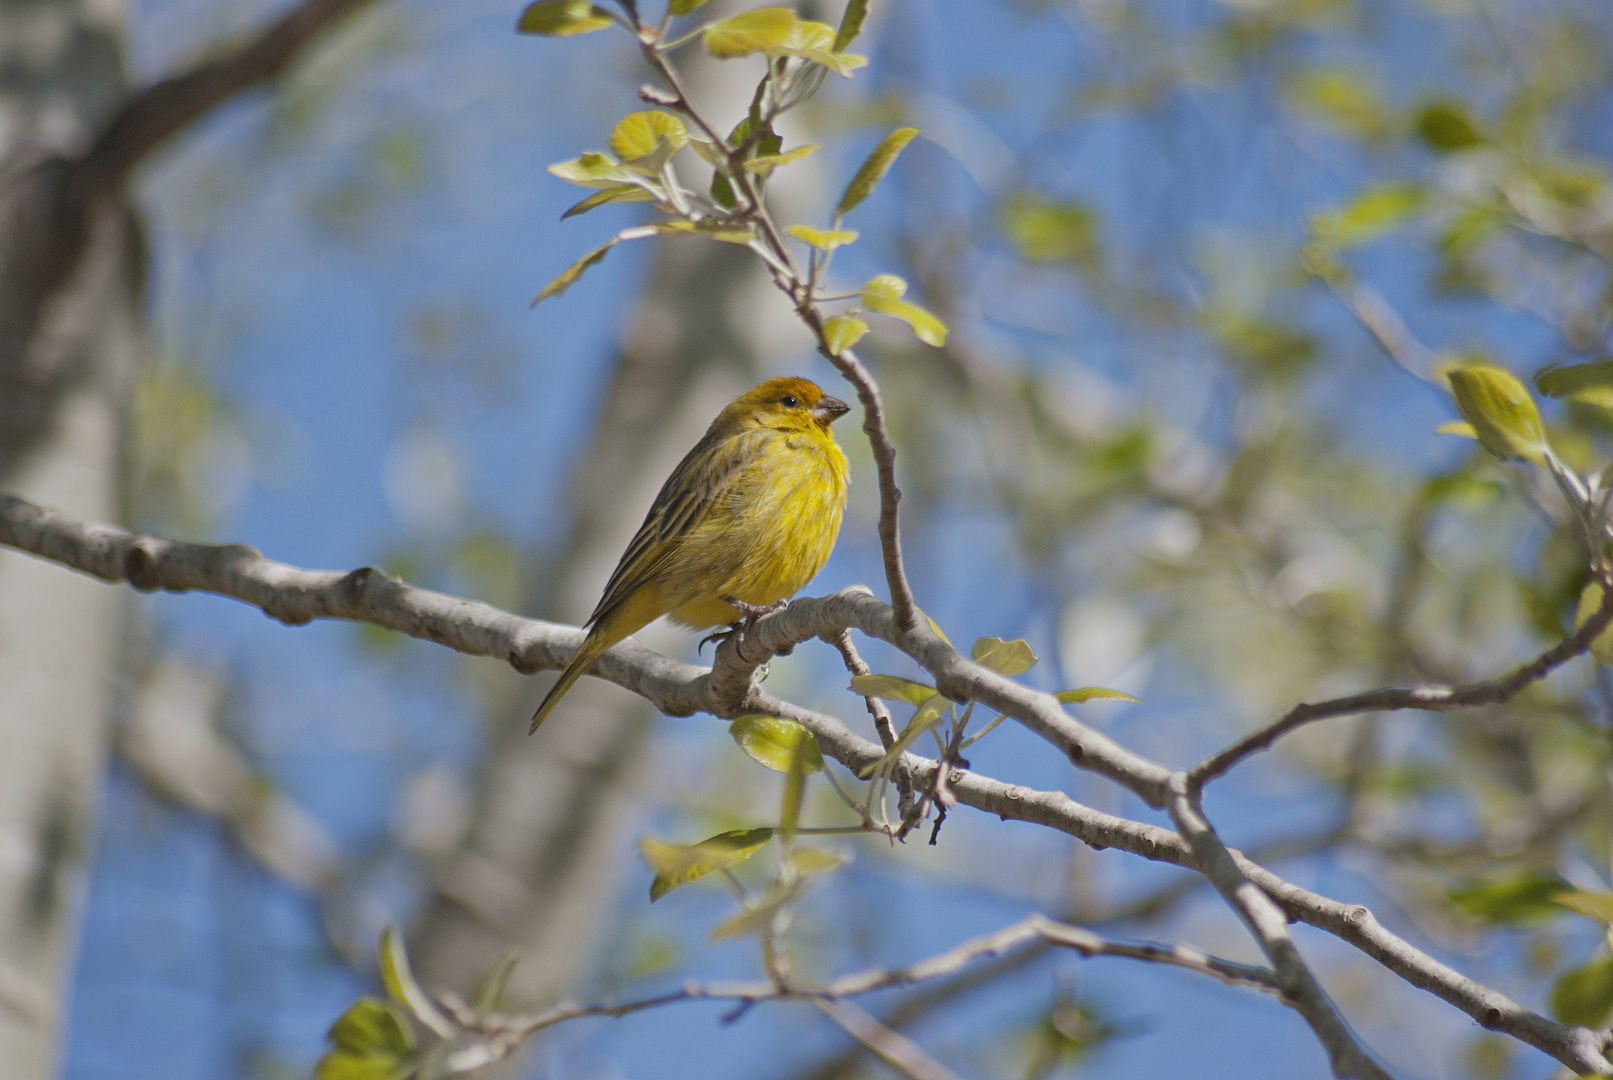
pixel 1503 415
pixel 892 688
pixel 873 169
pixel 1457 427
pixel 1584 996
pixel 1369 215
pixel 925 717
pixel 842 332
pixel 758 30
pixel 340 1065
pixel 795 786
pixel 1092 693
pixel 401 986
pixel 851 24
pixel 574 271
pixel 839 63
pixel 1343 99
pixel 637 134
pixel 1522 900
pixel 882 294
pixel 758 917
pixel 683 7
pixel 1590 602
pixel 1593 905
pixel 823 239
pixel 591 170
pixel 1445 126
pixel 1591 383
pixel 1044 230
pixel 623 193
pixel 491 993
pixel 768 162
pixel 562 18
pixel 813 862
pixel 771 741
pixel 679 864
pixel 807 34
pixel 1004 657
pixel 372 1029
pixel 940 633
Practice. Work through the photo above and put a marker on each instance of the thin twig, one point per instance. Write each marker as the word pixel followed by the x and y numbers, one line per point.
pixel 1426 698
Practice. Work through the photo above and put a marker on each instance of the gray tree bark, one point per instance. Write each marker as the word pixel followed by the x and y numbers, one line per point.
pixel 62 403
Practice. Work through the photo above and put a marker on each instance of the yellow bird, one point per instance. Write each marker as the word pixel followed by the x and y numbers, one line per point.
pixel 749 516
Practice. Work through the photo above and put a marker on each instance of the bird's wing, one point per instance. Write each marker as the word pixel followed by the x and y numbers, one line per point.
pixel 685 499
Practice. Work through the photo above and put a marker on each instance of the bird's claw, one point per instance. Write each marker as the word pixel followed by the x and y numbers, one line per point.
pixel 737 630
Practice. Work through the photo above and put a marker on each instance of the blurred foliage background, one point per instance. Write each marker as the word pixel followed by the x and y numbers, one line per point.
pixel 1203 262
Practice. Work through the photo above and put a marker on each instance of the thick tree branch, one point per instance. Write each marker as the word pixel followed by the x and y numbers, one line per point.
pixel 1269 925
pixel 298 596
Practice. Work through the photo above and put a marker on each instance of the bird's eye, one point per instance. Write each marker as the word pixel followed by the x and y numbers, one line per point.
pixel 788 401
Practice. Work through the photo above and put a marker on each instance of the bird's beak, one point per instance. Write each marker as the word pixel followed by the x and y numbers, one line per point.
pixel 829 409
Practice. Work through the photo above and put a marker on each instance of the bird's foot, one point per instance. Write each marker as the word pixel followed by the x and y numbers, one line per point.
pixel 752 612
pixel 737 630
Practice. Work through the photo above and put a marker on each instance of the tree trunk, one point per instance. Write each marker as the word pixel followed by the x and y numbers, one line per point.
pixel 62 404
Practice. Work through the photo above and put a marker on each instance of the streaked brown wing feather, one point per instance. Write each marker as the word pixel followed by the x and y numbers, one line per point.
pixel 685 499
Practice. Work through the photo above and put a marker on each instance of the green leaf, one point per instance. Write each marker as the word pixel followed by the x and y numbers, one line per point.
pixel 683 7
pixel 1092 693
pixel 1593 905
pixel 491 993
pixel 1346 100
pixel 562 18
pixel 883 294
pixel 1590 602
pixel 1369 215
pixel 842 332
pixel 676 865
pixel 1446 127
pixel 1524 900
pixel 892 688
pixel 1004 657
pixel 591 170
pixel 722 192
pixel 772 741
pixel 823 239
pixel 401 985
pixel 766 163
pixel 337 1065
pixel 851 24
pixel 622 193
pixel 637 135
pixel 795 785
pixel 1457 427
pixel 1043 230
pixel 1584 997
pixel 373 1028
pixel 874 168
pixel 758 917
pixel 925 717
pixel 1501 411
pixel 1591 383
pixel 575 271
pixel 758 30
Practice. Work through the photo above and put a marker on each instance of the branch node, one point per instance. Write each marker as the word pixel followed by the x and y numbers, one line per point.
pixel 140 566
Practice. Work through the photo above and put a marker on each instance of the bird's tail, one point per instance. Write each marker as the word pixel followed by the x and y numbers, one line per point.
pixel 592 647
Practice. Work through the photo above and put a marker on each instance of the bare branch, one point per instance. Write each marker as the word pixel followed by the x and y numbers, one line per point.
pixel 892 1047
pixel 1425 698
pixel 1269 925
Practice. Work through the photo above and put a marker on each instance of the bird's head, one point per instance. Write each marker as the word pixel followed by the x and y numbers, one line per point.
pixel 788 403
